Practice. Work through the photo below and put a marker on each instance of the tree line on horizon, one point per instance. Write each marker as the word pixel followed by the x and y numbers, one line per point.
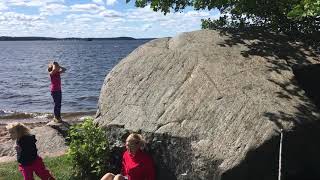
pixel 36 38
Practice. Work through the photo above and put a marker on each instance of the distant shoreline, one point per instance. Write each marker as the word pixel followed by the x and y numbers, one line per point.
pixel 9 38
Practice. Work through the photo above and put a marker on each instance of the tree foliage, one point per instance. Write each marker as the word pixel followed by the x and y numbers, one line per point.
pixel 289 16
pixel 305 8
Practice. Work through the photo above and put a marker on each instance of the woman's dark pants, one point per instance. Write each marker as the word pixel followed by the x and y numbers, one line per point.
pixel 57 96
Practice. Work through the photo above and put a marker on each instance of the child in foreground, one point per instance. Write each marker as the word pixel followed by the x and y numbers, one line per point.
pixel 27 154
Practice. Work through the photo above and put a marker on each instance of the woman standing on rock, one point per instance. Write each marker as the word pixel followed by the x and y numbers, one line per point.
pixel 55 70
pixel 136 164
pixel 27 153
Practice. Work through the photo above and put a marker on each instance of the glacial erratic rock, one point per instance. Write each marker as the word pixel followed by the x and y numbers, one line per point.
pixel 211 104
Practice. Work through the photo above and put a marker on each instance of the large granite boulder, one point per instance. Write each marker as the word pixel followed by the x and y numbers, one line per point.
pixel 211 105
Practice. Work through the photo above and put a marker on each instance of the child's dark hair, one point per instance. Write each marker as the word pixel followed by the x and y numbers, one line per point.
pixel 50 68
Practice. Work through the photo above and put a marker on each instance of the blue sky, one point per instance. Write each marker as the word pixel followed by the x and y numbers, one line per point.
pixel 93 18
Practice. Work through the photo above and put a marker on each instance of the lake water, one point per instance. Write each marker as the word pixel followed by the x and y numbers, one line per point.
pixel 24 80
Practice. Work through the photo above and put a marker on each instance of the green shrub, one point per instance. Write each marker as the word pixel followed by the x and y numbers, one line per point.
pixel 88 150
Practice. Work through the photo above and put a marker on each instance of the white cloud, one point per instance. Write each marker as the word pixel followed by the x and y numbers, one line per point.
pixel 147 15
pixel 54 1
pixel 146 27
pixel 111 2
pixel 25 24
pixel 169 24
pixel 12 16
pixel 89 8
pixel 110 13
pixel 100 2
pixel 73 17
pixel 53 9
pixel 29 3
pixel 24 3
pixel 144 14
pixel 197 14
pixel 93 20
pixel 3 6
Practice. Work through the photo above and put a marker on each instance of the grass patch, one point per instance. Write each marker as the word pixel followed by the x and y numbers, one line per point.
pixel 60 167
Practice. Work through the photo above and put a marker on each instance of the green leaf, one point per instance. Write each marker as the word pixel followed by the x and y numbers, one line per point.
pixel 88 149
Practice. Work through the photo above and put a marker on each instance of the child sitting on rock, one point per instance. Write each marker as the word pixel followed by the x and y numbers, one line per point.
pixel 27 155
pixel 136 164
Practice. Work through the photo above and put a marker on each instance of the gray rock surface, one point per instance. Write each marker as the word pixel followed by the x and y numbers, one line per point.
pixel 62 127
pixel 210 104
pixel 49 140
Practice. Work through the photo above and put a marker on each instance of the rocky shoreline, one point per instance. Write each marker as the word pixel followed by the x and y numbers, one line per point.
pixel 50 136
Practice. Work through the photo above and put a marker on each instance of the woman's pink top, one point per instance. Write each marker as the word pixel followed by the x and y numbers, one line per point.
pixel 138 167
pixel 55 82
